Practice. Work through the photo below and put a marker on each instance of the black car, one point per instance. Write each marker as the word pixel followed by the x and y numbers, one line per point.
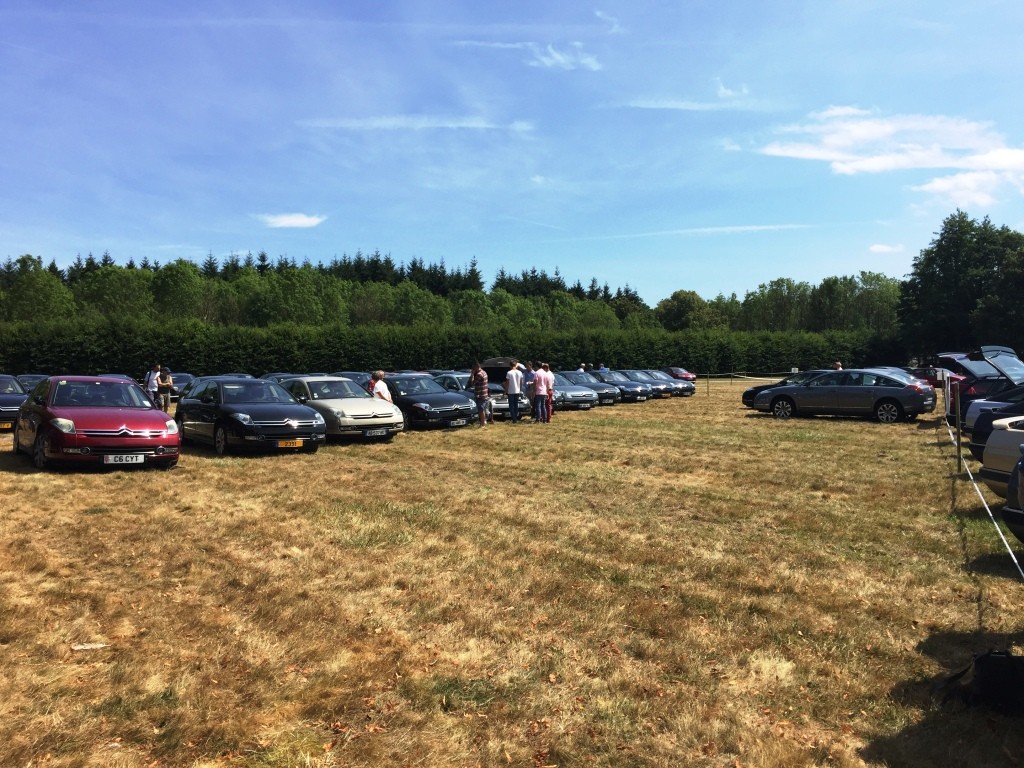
pixel 178 382
pixel 28 381
pixel 794 378
pixel 658 388
pixel 426 403
pixel 248 414
pixel 632 391
pixel 983 426
pixel 362 378
pixel 12 395
pixel 680 387
pixel 607 394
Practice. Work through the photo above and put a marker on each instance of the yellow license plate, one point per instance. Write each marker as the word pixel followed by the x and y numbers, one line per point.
pixel 6 425
pixel 289 443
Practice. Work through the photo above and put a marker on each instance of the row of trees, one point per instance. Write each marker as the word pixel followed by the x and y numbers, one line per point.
pixel 962 292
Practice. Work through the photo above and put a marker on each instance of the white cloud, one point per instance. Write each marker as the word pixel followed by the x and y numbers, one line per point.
pixel 290 220
pixel 613 23
pixel 883 248
pixel 729 93
pixel 856 141
pixel 550 57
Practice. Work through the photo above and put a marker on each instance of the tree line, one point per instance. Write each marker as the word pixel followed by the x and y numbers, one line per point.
pixel 961 293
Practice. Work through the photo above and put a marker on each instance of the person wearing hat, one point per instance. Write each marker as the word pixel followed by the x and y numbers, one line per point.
pixel 164 385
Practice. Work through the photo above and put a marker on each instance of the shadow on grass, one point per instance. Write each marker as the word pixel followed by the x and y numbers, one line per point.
pixel 950 733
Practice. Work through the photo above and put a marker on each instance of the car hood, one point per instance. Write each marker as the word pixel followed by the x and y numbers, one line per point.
pixel 270 411
pixel 355 406
pixel 86 417
pixel 435 399
pixel 9 401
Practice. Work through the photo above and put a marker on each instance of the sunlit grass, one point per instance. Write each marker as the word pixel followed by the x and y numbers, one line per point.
pixel 670 583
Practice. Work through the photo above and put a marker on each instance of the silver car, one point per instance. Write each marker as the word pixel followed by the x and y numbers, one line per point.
pixel 348 409
pixel 855 392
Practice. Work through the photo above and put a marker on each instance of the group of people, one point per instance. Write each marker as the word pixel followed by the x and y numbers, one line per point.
pixel 158 384
pixel 533 379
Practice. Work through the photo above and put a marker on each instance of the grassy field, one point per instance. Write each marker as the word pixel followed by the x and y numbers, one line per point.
pixel 673 583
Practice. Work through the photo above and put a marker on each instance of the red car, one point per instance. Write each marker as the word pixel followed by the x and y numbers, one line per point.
pixel 94 420
pixel 680 373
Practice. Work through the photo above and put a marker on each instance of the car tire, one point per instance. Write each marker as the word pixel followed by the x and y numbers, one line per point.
pixel 220 441
pixel 168 465
pixel 39 449
pixel 181 431
pixel 783 408
pixel 17 450
pixel 888 411
pixel 311 448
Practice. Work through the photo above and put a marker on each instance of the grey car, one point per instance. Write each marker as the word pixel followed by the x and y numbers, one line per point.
pixel 853 392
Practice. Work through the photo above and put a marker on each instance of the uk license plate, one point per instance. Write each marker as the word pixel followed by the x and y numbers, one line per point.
pixel 289 443
pixel 584 406
pixel 458 422
pixel 6 425
pixel 641 399
pixel 374 433
pixel 124 458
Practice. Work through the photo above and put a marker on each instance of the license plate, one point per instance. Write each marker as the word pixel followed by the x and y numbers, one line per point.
pixel 289 443
pixel 124 458
pixel 641 398
pixel 6 425
pixel 458 423
pixel 584 406
pixel 374 432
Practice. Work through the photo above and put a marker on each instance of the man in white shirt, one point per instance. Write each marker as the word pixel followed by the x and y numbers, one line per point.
pixel 150 382
pixel 513 388
pixel 380 389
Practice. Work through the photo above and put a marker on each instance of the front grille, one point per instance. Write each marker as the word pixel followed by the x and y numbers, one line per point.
pixel 122 432
pixel 454 409
pixel 285 423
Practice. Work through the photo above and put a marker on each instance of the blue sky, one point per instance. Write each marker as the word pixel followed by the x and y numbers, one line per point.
pixel 705 146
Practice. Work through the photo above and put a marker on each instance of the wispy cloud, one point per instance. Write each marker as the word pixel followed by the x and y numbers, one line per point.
pixel 884 248
pixel 544 56
pixel 728 99
pixel 613 23
pixel 855 141
pixel 290 220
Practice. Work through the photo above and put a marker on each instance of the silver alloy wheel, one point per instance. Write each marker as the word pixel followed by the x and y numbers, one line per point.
pixel 783 408
pixel 888 411
pixel 39 449
pixel 220 441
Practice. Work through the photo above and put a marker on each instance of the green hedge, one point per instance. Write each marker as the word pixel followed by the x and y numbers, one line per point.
pixel 103 346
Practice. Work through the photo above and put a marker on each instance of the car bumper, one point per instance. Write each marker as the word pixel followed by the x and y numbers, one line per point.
pixel 366 428
pixel 81 449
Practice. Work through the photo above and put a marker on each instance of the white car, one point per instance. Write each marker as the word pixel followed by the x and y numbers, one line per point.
pixel 1002 451
pixel 348 409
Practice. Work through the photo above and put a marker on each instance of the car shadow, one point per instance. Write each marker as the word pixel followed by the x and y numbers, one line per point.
pixel 949 732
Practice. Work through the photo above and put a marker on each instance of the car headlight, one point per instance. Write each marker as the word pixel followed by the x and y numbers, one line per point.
pixel 339 414
pixel 172 426
pixel 67 426
pixel 319 419
pixel 422 406
pixel 245 418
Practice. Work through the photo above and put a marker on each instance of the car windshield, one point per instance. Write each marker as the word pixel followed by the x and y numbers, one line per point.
pixel 1007 362
pixel 335 390
pixel 100 394
pixel 418 385
pixel 10 386
pixel 561 381
pixel 255 391
pixel 615 376
pixel 659 375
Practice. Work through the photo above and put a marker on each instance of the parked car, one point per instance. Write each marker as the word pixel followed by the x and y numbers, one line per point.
pixel 632 391
pixel 94 420
pixel 458 382
pixel 1002 452
pixel 995 402
pixel 575 396
pixel 680 373
pixel 348 409
pixel 426 403
pixel 1013 512
pixel 852 392
pixel 607 394
pixel 983 426
pixel 12 395
pixel 179 381
pixel 680 387
pixel 658 388
pixel 988 371
pixel 232 413
pixel 362 378
pixel 935 375
pixel 28 381
pixel 795 378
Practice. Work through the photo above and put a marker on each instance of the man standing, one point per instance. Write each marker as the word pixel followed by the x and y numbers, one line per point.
pixel 379 388
pixel 151 385
pixel 540 394
pixel 513 387
pixel 480 392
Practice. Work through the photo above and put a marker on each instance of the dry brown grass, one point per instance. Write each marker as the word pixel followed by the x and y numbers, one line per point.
pixel 674 583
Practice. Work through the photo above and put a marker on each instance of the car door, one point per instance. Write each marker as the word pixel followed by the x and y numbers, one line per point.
pixel 857 393
pixel 30 415
pixel 821 395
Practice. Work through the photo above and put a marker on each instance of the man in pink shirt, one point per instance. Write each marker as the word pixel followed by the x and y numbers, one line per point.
pixel 543 381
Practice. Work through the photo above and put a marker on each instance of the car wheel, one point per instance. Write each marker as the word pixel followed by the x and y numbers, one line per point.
pixel 181 431
pixel 169 464
pixel 311 448
pixel 783 408
pixel 39 450
pixel 17 450
pixel 220 441
pixel 888 411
